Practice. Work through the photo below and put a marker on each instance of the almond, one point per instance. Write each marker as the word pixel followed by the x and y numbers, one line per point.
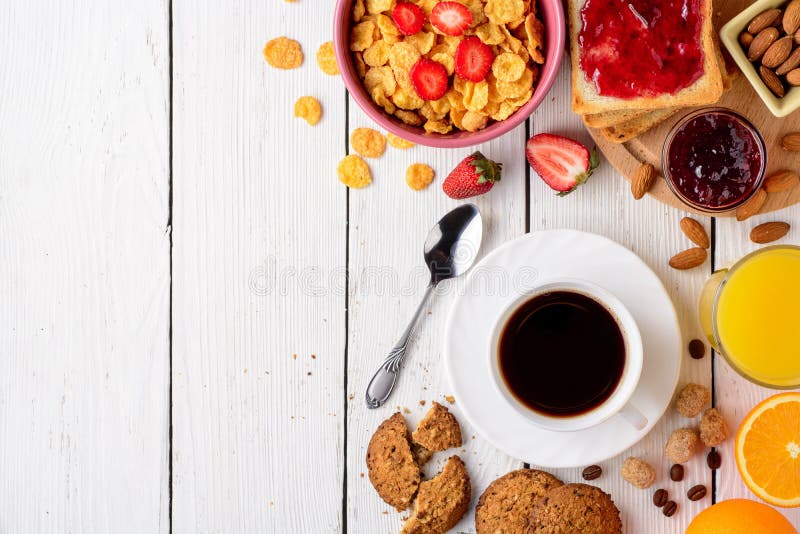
pixel 761 42
pixel 642 180
pixel 791 142
pixel 688 259
pixel 745 38
pixel 765 19
pixel 797 37
pixel 778 52
pixel 752 206
pixel 772 81
pixel 791 62
pixel 793 77
pixel 695 232
pixel 791 17
pixel 780 181
pixel 768 232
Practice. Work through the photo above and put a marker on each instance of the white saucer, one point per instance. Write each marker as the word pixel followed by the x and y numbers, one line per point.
pixel 517 265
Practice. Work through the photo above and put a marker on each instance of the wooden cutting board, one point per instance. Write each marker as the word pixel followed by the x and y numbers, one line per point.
pixel 627 157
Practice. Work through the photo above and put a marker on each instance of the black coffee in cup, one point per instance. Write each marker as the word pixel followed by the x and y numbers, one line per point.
pixel 561 353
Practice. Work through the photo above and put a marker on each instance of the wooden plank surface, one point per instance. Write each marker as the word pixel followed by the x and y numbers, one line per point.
pixel 84 267
pixel 264 238
pixel 259 248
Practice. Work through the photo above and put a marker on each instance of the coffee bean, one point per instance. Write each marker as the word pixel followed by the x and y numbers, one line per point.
pixel 714 460
pixel 670 508
pixel 660 497
pixel 697 349
pixel 592 472
pixel 676 472
pixel 696 493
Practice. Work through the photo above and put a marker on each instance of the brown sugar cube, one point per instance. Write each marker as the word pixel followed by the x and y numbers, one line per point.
pixel 438 430
pixel 713 429
pixel 681 445
pixel 442 501
pixel 638 472
pixel 691 400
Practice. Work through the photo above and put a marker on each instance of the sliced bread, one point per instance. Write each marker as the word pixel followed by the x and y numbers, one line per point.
pixel 586 100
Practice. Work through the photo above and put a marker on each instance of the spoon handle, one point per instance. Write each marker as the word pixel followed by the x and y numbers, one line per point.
pixel 382 384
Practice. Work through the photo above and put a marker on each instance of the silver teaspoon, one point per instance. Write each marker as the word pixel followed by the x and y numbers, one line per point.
pixel 450 249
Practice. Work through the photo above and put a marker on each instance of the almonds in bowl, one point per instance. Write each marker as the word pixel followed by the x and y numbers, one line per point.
pixel 764 41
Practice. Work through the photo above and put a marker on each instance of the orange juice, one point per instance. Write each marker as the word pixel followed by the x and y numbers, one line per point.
pixel 756 317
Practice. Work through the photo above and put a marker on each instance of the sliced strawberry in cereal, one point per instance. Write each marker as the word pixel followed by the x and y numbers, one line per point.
pixel 408 17
pixel 429 79
pixel 473 59
pixel 451 18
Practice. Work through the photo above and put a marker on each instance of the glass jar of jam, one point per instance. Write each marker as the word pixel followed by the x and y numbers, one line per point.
pixel 714 160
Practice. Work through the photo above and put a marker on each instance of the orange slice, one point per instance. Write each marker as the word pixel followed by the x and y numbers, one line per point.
pixel 768 450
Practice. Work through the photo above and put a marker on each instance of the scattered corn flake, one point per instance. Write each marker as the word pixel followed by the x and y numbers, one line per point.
pixel 368 142
pixel 283 53
pixel 362 35
pixel 308 108
pixel 326 59
pixel 418 177
pixel 508 67
pixel 398 142
pixel 354 172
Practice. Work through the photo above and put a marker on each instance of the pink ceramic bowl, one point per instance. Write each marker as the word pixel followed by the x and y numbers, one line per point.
pixel 552 14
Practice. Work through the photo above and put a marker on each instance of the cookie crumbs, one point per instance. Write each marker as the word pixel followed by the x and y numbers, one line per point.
pixel 406 410
pixel 294 356
pixel 351 397
pixel 422 403
pixel 313 356
pixel 361 475
pixel 449 398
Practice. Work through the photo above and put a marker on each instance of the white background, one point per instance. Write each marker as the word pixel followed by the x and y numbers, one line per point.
pixel 152 180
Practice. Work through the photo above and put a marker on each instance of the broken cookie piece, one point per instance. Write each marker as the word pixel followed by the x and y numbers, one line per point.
pixel 442 501
pixel 393 470
pixel 438 430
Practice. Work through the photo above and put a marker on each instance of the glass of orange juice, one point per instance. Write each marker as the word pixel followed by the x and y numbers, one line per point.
pixel 751 315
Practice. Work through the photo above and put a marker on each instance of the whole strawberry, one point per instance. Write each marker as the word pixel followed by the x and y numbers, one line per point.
pixel 475 175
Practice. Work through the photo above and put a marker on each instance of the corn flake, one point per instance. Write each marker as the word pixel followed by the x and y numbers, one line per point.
pixel 386 26
pixel 408 117
pixel 423 41
pixel 377 54
pixel 308 108
pixel 326 59
pixel 407 99
pixel 354 172
pixel 380 77
pixel 504 11
pixel 283 53
pixel 516 88
pixel 379 6
pixel 490 34
pixel 398 142
pixel 380 98
pixel 508 67
pixel 534 29
pixel 368 142
pixel 437 126
pixel 362 36
pixel 476 96
pixel 419 176
pixel 472 122
pixel 358 10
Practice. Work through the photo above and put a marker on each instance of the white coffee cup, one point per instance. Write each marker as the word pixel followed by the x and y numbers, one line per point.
pixel 619 400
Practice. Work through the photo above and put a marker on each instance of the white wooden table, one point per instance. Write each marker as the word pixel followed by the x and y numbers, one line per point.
pixel 181 347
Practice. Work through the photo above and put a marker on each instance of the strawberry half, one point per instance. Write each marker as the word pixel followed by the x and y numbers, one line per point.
pixel 473 59
pixel 475 175
pixel 408 18
pixel 561 162
pixel 451 18
pixel 429 79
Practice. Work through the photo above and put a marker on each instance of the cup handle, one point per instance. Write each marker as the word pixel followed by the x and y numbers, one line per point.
pixel 633 416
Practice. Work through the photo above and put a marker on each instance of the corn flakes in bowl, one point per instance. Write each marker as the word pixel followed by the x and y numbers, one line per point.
pixel 449 73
